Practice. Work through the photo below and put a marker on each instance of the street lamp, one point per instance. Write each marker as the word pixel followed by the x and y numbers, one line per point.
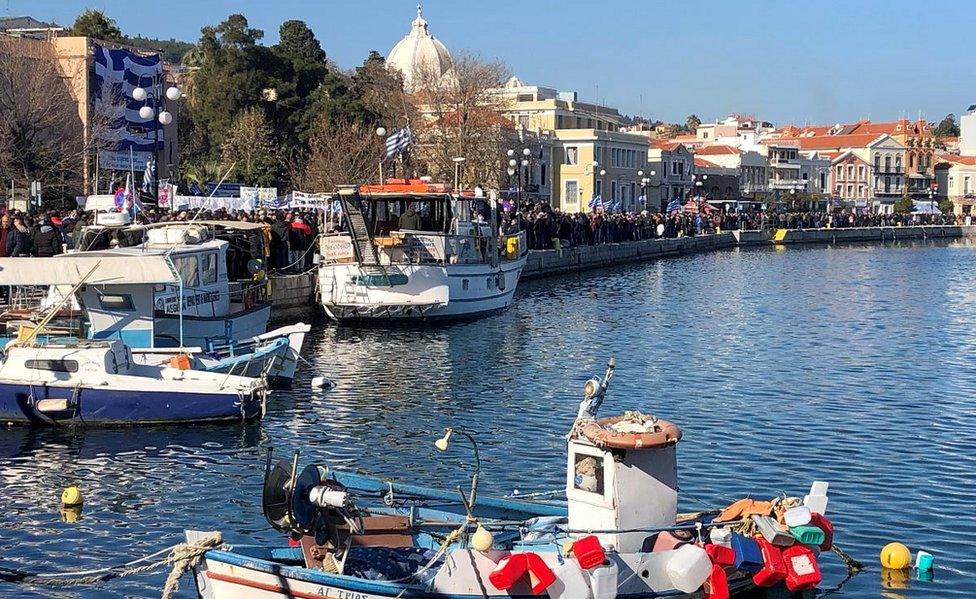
pixel 457 173
pixel 156 109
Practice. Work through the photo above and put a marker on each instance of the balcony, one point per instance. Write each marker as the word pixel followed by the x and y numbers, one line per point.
pixel 754 188
pixel 891 190
pixel 797 184
pixel 880 169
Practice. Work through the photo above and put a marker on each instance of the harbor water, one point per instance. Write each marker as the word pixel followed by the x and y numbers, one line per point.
pixel 852 365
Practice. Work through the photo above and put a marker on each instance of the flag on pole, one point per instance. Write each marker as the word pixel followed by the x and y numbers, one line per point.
pixel 596 203
pixel 673 206
pixel 148 175
pixel 398 142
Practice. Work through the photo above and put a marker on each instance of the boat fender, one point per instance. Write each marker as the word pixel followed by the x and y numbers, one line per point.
pixel 802 570
pixel 180 362
pixel 320 382
pixel 773 569
pixel 717 584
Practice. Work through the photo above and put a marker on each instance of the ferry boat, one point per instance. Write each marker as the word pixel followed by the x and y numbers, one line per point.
pixel 447 265
pixel 617 535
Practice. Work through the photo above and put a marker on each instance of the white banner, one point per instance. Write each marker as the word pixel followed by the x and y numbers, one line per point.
pixel 121 161
pixel 197 202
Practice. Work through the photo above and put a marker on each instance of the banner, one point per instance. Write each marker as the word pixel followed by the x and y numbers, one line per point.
pixel 181 202
pixel 166 193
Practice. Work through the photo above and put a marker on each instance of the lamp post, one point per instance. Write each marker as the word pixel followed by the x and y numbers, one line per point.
pixel 645 181
pixel 156 109
pixel 381 133
pixel 442 445
pixel 457 173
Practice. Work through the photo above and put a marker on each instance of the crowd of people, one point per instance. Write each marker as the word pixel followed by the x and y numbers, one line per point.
pixel 291 234
pixel 547 228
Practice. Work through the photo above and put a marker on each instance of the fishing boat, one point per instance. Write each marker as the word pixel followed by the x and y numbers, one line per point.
pixel 446 265
pixel 616 535
pixel 97 383
pixel 213 309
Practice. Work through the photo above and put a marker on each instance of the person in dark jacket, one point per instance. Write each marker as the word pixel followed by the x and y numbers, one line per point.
pixel 6 224
pixel 47 239
pixel 279 242
pixel 20 242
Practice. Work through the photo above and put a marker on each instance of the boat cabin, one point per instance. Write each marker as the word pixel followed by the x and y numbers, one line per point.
pixel 65 360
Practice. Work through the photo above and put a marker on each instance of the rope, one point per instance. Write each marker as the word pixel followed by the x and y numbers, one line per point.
pixel 181 557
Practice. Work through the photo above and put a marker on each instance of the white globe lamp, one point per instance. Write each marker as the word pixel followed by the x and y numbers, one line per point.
pixel 138 94
pixel 173 93
pixel 146 113
pixel 165 117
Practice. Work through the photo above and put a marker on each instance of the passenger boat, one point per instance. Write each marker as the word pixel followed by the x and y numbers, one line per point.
pixel 449 266
pixel 211 308
pixel 97 383
pixel 616 535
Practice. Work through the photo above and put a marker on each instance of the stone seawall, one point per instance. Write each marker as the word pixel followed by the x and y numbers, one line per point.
pixel 544 263
pixel 293 297
pixel 853 234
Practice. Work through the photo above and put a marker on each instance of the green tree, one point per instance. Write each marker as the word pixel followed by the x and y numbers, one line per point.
pixel 904 205
pixel 94 23
pixel 947 127
pixel 251 149
pixel 945 206
pixel 298 42
pixel 692 122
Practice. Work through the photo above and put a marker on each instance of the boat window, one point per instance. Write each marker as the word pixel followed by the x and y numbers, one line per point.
pixel 122 301
pixel 53 365
pixel 187 267
pixel 208 268
pixel 588 474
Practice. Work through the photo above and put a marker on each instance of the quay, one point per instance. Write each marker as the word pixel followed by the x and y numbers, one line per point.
pixel 294 295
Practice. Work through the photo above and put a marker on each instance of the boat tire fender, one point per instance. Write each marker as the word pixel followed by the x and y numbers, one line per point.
pixel 600 434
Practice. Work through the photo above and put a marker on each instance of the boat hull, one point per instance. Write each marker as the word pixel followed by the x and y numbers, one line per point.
pixel 433 292
pixel 104 406
pixel 229 575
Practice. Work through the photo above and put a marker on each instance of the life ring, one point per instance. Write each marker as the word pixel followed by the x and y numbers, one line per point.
pixel 598 433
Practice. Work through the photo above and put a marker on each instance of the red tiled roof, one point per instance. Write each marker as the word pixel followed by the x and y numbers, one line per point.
pixel 702 163
pixel 664 144
pixel 717 150
pixel 836 142
pixel 954 159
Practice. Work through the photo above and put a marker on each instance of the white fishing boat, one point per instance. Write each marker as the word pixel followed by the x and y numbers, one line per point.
pixel 445 266
pixel 617 535
pixel 213 309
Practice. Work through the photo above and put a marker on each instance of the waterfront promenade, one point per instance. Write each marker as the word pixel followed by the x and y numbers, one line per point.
pixel 294 295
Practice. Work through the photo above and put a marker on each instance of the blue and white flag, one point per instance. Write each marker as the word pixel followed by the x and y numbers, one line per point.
pixel 148 176
pixel 673 206
pixel 195 189
pixel 596 203
pixel 398 142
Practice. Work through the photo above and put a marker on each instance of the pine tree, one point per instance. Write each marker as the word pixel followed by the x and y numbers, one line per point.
pixel 94 23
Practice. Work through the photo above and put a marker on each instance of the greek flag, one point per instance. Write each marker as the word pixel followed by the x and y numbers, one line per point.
pixel 148 176
pixel 673 206
pixel 596 203
pixel 398 142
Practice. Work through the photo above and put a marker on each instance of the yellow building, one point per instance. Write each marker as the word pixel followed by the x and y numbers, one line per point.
pixel 537 108
pixel 594 162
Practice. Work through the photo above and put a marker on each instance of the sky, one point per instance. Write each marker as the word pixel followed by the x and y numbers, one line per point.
pixel 785 61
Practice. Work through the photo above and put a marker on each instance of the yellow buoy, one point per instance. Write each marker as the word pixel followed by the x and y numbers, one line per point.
pixel 482 540
pixel 895 556
pixel 71 496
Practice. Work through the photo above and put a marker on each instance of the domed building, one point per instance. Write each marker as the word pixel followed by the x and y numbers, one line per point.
pixel 419 56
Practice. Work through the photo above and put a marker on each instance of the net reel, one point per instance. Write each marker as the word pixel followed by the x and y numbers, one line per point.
pixel 307 502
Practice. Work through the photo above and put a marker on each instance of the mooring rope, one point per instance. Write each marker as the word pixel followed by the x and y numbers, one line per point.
pixel 182 557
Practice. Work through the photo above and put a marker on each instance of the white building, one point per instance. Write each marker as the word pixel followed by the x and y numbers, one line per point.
pixel 967 132
pixel 419 56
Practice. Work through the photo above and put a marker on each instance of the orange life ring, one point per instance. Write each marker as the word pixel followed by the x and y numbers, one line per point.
pixel 598 433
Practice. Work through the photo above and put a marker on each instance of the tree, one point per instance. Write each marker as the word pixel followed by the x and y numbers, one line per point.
pixel 692 122
pixel 905 205
pixel 296 41
pixel 342 153
pixel 460 116
pixel 946 206
pixel 42 136
pixel 250 148
pixel 947 127
pixel 94 23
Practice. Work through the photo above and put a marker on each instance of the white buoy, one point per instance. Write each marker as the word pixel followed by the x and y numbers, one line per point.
pixel 320 382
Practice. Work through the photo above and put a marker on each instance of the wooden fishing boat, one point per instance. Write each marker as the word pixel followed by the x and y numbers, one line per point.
pixel 616 535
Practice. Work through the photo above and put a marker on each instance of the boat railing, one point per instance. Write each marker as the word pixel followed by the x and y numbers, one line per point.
pixel 427 247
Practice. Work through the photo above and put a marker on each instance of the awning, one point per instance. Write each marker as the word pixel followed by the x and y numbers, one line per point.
pixel 70 269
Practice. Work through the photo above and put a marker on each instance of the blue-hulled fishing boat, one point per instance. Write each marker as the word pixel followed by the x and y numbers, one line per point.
pixel 615 534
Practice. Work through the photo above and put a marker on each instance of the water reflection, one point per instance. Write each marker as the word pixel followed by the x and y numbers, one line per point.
pixel 842 364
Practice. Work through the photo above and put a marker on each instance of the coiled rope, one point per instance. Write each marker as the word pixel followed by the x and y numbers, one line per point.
pixel 181 557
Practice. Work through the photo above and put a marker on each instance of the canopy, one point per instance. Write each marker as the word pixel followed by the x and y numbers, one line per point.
pixel 70 269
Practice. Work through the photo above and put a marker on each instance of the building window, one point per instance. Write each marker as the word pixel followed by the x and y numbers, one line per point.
pixel 860 191
pixel 840 171
pixel 121 302
pixel 523 121
pixel 613 190
pixel 860 172
pixel 850 190
pixel 850 171
pixel 599 187
pixel 572 156
pixel 543 179
pixel 965 185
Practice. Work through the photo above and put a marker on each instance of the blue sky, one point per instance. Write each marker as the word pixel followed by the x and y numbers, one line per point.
pixel 786 61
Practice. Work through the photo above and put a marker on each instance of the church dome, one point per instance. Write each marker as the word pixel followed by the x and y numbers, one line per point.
pixel 420 53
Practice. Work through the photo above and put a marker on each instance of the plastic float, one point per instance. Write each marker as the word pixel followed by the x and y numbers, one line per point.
pixel 617 534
